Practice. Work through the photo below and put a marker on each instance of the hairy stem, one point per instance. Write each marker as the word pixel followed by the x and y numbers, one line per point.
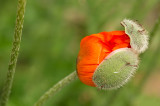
pixel 57 87
pixel 14 53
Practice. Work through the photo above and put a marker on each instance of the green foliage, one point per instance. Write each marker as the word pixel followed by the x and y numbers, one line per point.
pixel 50 43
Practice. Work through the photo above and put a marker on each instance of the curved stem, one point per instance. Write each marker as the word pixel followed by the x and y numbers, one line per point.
pixel 14 53
pixel 57 87
pixel 155 28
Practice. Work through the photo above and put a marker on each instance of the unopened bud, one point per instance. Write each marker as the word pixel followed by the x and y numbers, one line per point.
pixel 108 60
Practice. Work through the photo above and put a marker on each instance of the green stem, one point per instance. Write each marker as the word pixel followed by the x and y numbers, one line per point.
pixel 14 53
pixel 155 28
pixel 57 87
pixel 152 62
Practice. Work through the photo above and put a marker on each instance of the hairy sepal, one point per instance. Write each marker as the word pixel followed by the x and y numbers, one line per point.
pixel 116 69
pixel 138 35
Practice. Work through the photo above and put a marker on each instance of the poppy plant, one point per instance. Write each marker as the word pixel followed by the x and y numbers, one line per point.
pixel 108 59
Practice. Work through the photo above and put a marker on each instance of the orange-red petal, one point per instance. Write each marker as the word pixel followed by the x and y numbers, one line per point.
pixel 93 50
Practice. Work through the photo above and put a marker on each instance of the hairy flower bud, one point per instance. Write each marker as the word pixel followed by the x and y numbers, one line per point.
pixel 107 60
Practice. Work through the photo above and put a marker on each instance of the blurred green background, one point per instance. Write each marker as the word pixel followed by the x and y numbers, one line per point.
pixel 50 44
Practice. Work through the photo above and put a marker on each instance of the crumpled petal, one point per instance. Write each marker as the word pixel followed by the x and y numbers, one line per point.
pixel 93 50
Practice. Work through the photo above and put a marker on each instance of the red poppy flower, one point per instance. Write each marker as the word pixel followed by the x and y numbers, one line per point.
pixel 94 49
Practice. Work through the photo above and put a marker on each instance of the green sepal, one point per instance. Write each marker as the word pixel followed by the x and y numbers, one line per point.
pixel 116 69
pixel 138 35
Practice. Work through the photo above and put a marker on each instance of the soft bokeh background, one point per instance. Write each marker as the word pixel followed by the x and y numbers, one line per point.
pixel 50 44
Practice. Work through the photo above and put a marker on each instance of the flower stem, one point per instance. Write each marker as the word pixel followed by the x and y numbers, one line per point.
pixel 155 28
pixel 57 87
pixel 14 53
pixel 152 62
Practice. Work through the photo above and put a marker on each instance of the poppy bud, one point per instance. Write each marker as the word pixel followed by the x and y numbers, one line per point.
pixel 107 60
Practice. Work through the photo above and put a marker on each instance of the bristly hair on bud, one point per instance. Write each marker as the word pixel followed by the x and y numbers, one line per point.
pixel 116 69
pixel 138 35
pixel 108 60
